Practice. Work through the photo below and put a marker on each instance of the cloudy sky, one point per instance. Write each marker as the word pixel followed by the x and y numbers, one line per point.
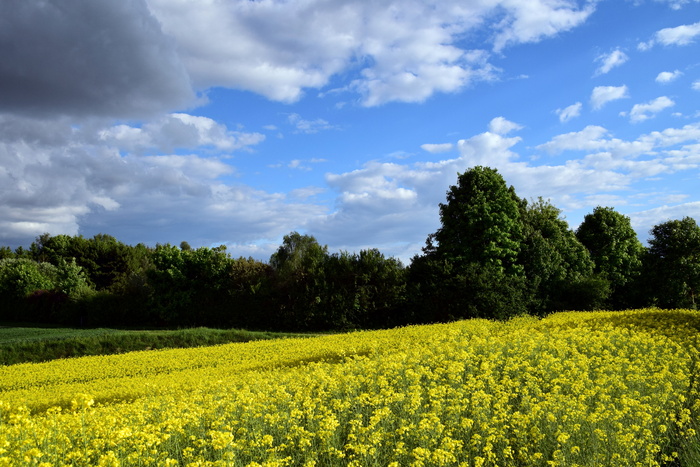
pixel 238 122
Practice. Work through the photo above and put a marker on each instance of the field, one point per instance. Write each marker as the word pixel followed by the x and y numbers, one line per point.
pixel 38 344
pixel 573 389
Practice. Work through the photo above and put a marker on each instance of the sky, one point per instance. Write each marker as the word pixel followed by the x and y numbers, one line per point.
pixel 237 122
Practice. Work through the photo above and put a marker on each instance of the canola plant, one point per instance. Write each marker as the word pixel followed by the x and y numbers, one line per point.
pixel 573 389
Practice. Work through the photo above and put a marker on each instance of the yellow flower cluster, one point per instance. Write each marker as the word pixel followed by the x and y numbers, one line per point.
pixel 574 389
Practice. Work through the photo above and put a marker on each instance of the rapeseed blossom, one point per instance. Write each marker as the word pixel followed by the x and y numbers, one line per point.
pixel 573 389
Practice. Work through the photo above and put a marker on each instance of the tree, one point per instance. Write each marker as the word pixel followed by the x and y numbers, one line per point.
pixel 480 222
pixel 363 290
pixel 672 264
pixel 105 260
pixel 249 302
pixel 39 291
pixel 470 268
pixel 300 281
pixel 20 276
pixel 189 286
pixel 616 252
pixel 559 269
pixel 298 253
pixel 6 252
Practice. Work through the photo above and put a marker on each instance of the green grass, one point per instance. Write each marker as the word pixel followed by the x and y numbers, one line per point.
pixel 21 344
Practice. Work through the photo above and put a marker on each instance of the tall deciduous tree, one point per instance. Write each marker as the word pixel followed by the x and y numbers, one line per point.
pixel 673 263
pixel 300 280
pixel 558 267
pixel 363 290
pixel 616 252
pixel 470 267
pixel 480 222
pixel 189 286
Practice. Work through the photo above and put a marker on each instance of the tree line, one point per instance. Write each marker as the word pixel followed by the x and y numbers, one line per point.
pixel 494 256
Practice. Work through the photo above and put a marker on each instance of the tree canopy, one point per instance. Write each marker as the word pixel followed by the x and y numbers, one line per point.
pixel 558 267
pixel 673 263
pixel 616 252
pixel 480 222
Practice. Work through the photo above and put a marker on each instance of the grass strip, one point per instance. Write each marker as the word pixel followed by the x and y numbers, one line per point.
pixel 24 344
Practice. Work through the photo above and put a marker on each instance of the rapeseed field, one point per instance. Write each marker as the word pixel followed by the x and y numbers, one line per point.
pixel 573 389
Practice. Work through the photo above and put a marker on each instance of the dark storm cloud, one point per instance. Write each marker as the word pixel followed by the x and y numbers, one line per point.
pixel 87 58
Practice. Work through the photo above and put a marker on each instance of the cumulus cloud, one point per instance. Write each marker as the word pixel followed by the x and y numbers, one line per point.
pixel 437 148
pixel 588 139
pixel 696 85
pixel 89 58
pixel 178 131
pixel 643 221
pixel 54 178
pixel 641 112
pixel 136 58
pixel 668 76
pixel 570 112
pixel 398 51
pixel 601 95
pixel 610 60
pixel 535 20
pixel 679 35
pixel 501 126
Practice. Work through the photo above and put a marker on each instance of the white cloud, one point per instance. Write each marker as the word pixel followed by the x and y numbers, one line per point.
pixel 489 149
pixel 601 95
pixel 300 164
pixel 673 136
pixel 534 20
pixel 570 112
pixel 668 76
pixel 596 139
pixel 74 182
pixel 590 138
pixel 641 112
pixel 696 85
pixel 643 221
pixel 679 35
pixel 178 131
pixel 437 148
pixel 501 126
pixel 398 51
pixel 308 126
pixel 611 60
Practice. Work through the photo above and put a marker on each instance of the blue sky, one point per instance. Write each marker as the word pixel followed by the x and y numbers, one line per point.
pixel 238 122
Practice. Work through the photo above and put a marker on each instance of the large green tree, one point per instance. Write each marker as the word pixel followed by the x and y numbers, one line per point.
pixel 300 281
pixel 189 286
pixel 470 267
pixel 616 252
pixel 558 267
pixel 480 222
pixel 107 262
pixel 39 291
pixel 672 265
pixel 363 290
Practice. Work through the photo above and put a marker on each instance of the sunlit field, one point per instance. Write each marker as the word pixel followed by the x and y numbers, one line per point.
pixel 573 389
